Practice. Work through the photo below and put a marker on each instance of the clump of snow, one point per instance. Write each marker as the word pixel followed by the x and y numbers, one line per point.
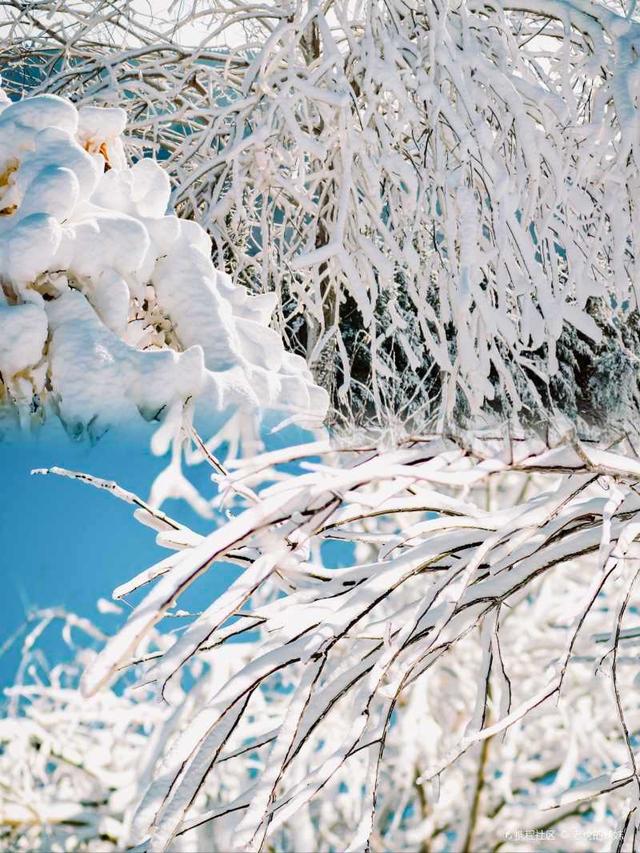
pixel 23 333
pixel 110 306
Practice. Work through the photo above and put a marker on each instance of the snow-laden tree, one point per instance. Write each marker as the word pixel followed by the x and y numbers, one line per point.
pixel 73 769
pixel 442 194
pixel 465 681
pixel 110 307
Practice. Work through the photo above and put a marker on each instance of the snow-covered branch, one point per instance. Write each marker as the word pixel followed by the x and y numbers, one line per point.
pixel 440 195
pixel 439 688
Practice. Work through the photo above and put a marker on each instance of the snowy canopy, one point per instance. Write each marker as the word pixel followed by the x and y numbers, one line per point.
pixel 443 195
pixel 110 306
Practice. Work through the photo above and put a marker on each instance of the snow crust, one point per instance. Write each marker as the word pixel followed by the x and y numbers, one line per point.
pixel 110 306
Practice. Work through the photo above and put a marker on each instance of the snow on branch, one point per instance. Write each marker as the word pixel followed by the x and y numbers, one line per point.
pixel 440 195
pixel 111 310
pixel 72 769
pixel 465 673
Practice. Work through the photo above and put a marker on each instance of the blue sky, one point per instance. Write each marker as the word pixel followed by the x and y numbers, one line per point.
pixel 65 543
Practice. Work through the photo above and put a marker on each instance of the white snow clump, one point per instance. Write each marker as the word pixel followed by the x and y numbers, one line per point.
pixel 110 306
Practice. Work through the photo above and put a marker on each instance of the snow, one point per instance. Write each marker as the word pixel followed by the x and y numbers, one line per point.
pixel 123 379
pixel 467 177
pixel 23 332
pixel 111 307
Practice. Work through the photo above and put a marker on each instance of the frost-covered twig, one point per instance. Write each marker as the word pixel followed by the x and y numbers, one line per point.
pixel 404 663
